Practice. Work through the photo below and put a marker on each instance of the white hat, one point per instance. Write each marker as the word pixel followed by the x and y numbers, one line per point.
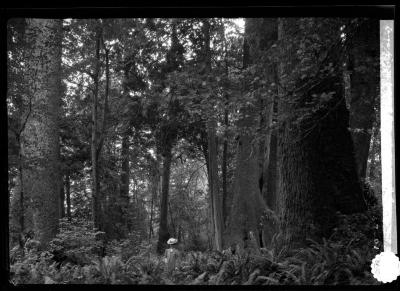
pixel 172 241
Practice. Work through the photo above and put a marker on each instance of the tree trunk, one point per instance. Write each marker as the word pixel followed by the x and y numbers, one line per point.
pixel 364 88
pixel 151 216
pixel 125 144
pixel 216 202
pixel 317 174
pixel 168 135
pixel 213 185
pixel 225 171
pixel 96 199
pixel 163 234
pixel 62 201
pixel 248 205
pixel 155 181
pixel 68 195
pixel 40 138
pixel 124 193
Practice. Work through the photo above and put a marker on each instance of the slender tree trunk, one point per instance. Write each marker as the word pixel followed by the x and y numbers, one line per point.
pixel 125 144
pixel 225 144
pixel 168 136
pixel 68 195
pixel 96 207
pixel 62 201
pixel 225 170
pixel 163 235
pixel 21 195
pixel 40 138
pixel 364 88
pixel 216 202
pixel 151 216
pixel 155 181
pixel 214 187
pixel 125 167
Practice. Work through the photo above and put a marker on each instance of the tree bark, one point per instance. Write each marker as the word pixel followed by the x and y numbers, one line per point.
pixel 168 134
pixel 125 145
pixel 62 201
pixel 163 234
pixel 68 195
pixel 225 171
pixel 214 187
pixel 364 88
pixel 216 202
pixel 247 204
pixel 40 137
pixel 155 181
pixel 317 174
pixel 96 199
pixel 125 167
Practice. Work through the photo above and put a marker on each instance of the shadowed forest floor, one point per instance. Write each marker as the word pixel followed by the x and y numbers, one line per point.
pixel 78 256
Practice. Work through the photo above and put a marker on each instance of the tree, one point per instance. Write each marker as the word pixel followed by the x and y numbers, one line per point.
pixel 317 174
pixel 98 130
pixel 40 138
pixel 168 133
pixel 248 204
pixel 363 68
pixel 216 201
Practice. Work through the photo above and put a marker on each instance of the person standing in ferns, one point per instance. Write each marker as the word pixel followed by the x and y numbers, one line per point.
pixel 171 255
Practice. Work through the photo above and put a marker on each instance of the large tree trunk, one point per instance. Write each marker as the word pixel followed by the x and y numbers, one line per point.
pixel 317 174
pixel 247 204
pixel 364 88
pixel 40 138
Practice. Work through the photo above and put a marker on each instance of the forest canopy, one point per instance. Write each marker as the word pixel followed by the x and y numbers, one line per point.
pixel 253 143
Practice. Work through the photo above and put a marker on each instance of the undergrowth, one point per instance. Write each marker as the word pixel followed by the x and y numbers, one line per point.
pixel 78 255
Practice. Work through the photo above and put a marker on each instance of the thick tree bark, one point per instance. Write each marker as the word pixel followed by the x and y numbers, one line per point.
pixel 317 174
pixel 40 138
pixel 248 204
pixel 246 211
pixel 364 88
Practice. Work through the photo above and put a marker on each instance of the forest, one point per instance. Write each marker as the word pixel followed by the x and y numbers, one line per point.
pixel 194 151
